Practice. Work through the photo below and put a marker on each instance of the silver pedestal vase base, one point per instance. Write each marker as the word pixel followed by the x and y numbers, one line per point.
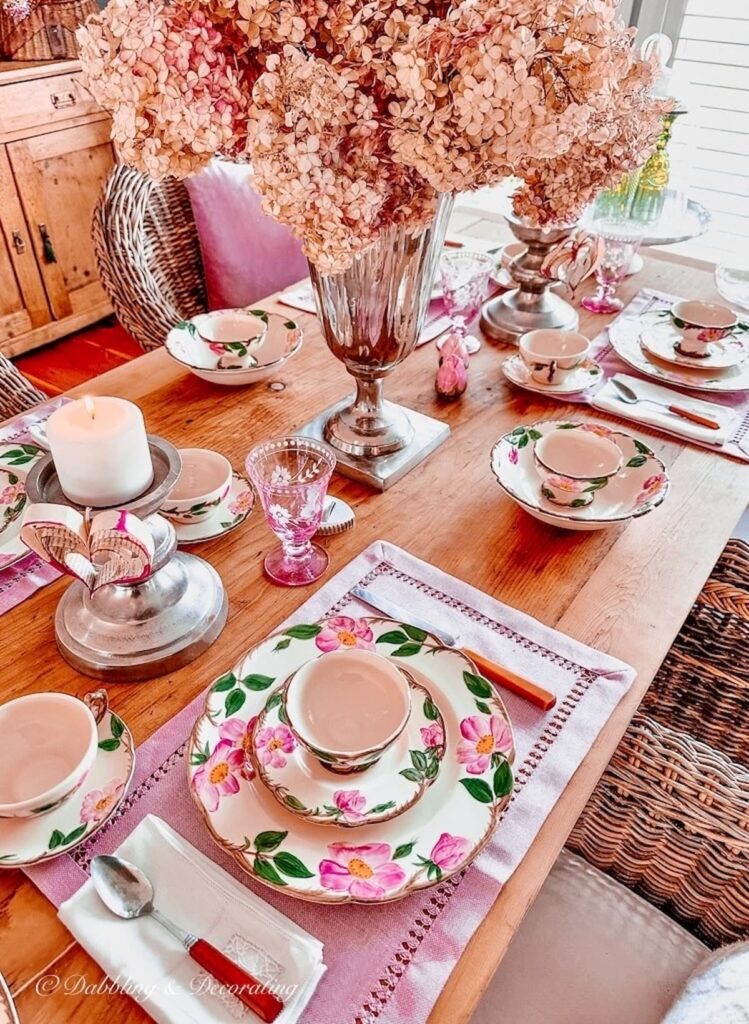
pixel 369 429
pixel 382 471
pixel 505 317
pixel 131 632
pixel 531 306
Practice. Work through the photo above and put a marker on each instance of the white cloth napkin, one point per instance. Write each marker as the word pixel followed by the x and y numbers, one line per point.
pixel 303 298
pixel 657 416
pixel 146 962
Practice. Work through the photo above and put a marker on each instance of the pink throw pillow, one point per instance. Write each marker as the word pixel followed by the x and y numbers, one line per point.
pixel 246 254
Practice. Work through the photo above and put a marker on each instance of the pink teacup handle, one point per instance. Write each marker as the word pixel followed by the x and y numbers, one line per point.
pixel 97 702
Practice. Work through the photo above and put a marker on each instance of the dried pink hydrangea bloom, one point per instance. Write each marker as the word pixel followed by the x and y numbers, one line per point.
pixel 355 115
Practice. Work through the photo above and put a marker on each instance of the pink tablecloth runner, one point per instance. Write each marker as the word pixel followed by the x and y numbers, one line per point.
pixel 19 580
pixel 603 351
pixel 387 964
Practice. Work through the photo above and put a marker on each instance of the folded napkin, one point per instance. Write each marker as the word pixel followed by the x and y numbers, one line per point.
pixel 146 962
pixel 658 416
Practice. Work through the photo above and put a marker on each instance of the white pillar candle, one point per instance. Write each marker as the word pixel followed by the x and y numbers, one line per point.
pixel 100 451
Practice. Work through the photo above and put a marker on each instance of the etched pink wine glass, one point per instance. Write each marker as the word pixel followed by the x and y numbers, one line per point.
pixel 465 282
pixel 291 476
pixel 621 240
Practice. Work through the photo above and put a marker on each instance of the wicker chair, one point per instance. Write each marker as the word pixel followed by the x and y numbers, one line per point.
pixel 17 394
pixel 148 254
pixel 670 816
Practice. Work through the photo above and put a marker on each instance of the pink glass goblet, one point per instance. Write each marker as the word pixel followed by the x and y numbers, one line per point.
pixel 621 240
pixel 465 282
pixel 291 476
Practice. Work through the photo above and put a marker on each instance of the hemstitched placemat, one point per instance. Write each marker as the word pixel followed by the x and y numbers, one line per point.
pixel 387 964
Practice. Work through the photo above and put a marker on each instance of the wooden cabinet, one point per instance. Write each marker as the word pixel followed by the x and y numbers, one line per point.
pixel 55 154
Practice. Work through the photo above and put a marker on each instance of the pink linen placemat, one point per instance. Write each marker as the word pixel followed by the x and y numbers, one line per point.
pixel 603 351
pixel 387 964
pixel 19 580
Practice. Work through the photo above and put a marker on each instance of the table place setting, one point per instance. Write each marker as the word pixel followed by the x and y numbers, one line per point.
pixel 435 768
pixel 649 336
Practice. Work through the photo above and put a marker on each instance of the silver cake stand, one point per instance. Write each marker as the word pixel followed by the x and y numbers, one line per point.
pixel 134 631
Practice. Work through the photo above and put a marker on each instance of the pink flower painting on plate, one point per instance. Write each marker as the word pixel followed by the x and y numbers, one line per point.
pixel 219 776
pixel 449 851
pixel 366 872
pixel 351 804
pixel 432 735
pixel 345 632
pixel 99 802
pixel 242 503
pixel 272 743
pixel 239 733
pixel 482 737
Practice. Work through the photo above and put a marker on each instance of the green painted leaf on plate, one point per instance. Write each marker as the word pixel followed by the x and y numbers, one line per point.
pixel 430 710
pixel 291 866
pixel 381 808
pixel 483 708
pixel 403 850
pixel 56 839
pixel 395 636
pixel 406 650
pixel 234 701
pixel 282 644
pixel 415 633
pixel 226 682
pixel 267 841
pixel 258 682
pixel 303 632
pixel 478 686
pixel 478 789
pixel 636 461
pixel 411 774
pixel 294 803
pixel 503 780
pixel 76 834
pixel 265 870
pixel 109 745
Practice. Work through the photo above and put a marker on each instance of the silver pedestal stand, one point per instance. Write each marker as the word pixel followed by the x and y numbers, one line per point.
pixel 129 632
pixel 532 305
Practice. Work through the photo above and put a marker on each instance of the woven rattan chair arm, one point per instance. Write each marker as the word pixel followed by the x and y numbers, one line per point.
pixel 17 394
pixel 670 818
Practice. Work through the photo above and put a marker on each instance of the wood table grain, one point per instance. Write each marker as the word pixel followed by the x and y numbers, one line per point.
pixel 625 591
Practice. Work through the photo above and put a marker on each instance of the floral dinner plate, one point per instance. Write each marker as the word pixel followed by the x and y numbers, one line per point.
pixel 401 776
pixel 625 337
pixel 639 487
pixel 15 462
pixel 232 511
pixel 25 841
pixel 384 861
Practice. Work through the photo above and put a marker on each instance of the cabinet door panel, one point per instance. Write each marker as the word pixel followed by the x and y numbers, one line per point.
pixel 23 304
pixel 59 178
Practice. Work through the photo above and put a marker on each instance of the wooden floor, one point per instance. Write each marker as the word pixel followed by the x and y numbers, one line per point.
pixel 79 357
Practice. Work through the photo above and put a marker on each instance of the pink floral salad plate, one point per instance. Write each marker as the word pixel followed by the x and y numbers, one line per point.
pixel 25 841
pixel 580 379
pixel 386 789
pixel 15 462
pixel 380 861
pixel 639 487
pixel 281 341
pixel 233 509
pixel 626 337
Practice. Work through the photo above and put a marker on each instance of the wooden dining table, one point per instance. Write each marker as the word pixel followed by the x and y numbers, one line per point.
pixel 625 591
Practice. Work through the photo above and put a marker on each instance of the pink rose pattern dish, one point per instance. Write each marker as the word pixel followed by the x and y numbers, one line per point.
pixel 381 793
pixel 76 820
pixel 15 462
pixel 403 854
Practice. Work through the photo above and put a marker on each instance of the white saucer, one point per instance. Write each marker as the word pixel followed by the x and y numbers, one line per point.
pixel 582 378
pixel 282 340
pixel 638 488
pixel 230 514
pixel 388 788
pixel 660 338
pixel 25 841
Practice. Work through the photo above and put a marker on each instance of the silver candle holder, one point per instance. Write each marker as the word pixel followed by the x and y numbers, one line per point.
pixel 126 632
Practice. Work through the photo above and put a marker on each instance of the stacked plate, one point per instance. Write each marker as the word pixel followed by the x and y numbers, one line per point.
pixel 637 488
pixel 414 818
pixel 648 344
pixel 16 461
pixel 186 344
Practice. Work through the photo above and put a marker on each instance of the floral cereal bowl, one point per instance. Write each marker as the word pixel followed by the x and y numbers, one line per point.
pixel 638 487
pixel 281 341
pixel 382 860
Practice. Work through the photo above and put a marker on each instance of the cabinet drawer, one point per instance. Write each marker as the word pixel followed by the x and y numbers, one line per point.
pixel 44 102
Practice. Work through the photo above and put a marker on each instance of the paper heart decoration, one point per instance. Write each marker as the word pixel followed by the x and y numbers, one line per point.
pixel 573 260
pixel 113 546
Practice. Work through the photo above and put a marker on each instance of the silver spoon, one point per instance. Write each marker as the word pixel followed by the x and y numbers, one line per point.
pixel 626 394
pixel 128 892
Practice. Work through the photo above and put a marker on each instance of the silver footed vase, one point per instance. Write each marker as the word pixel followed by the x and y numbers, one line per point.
pixel 371 316
pixel 531 305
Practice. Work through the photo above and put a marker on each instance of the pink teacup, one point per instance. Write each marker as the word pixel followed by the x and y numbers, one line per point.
pixel 700 324
pixel 48 744
pixel 574 464
pixel 347 707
